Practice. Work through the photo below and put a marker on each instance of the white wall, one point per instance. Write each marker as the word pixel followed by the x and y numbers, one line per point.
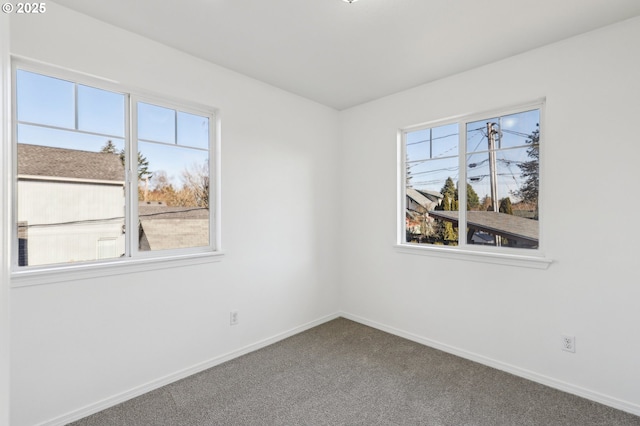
pixel 78 343
pixel 508 316
pixel 4 224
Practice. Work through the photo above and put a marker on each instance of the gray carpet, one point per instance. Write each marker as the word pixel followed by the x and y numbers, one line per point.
pixel 345 373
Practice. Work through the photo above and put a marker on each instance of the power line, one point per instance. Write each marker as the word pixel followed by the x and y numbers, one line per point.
pixel 73 222
pixel 431 139
pixel 513 132
pixel 106 219
pixel 447 169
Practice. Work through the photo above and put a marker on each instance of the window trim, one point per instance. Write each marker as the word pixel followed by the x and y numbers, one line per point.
pixel 133 261
pixel 534 258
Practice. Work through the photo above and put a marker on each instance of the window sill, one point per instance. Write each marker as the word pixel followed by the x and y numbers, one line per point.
pixel 56 274
pixel 535 262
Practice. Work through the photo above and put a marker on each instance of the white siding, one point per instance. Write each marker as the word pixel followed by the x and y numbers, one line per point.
pixel 67 219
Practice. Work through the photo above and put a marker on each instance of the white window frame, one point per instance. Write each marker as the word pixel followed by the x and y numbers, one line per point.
pixel 533 258
pixel 133 260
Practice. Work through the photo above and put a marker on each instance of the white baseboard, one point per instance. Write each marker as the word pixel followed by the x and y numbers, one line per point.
pixel 178 375
pixel 619 404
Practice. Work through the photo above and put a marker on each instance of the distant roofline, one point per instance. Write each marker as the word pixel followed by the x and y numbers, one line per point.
pixel 509 227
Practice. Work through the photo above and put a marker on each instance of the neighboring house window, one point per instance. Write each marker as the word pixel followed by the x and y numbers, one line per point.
pixel 105 174
pixel 473 183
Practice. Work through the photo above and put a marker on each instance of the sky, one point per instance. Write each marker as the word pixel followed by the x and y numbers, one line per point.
pixel 432 154
pixel 58 113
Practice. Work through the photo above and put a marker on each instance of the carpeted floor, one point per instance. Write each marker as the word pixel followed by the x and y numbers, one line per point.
pixel 345 373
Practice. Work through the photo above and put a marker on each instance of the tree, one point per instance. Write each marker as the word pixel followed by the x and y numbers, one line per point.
pixel 449 189
pixel 505 206
pixel 473 201
pixel 196 182
pixel 143 166
pixel 143 163
pixel 529 190
pixel 450 196
pixel 194 191
pixel 109 148
pixel 486 203
pixel 449 203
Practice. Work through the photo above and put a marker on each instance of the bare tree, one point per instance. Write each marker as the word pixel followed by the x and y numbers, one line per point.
pixel 195 181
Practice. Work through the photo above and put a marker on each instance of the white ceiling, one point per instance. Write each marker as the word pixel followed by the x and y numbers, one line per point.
pixel 342 54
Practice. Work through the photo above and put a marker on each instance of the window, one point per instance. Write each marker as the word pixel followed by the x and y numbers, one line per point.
pixel 473 183
pixel 103 174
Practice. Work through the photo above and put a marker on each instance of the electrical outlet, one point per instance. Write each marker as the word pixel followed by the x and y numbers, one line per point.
pixel 233 318
pixel 568 343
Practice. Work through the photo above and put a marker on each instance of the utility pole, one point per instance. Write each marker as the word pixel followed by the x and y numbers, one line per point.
pixel 493 173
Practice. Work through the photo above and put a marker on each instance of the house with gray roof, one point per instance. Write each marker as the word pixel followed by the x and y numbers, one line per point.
pixel 485 225
pixel 71 209
pixel 70 205
pixel 418 204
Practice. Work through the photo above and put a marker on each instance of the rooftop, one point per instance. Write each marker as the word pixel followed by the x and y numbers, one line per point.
pixel 505 225
pixel 38 160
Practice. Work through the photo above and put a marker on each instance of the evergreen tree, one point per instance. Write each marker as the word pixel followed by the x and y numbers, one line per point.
pixel 473 201
pixel 445 230
pixel 528 192
pixel 450 234
pixel 143 167
pixel 143 163
pixel 449 189
pixel 447 202
pixel 109 148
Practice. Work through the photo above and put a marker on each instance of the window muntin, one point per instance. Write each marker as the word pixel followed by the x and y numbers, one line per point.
pixel 72 149
pixel 500 160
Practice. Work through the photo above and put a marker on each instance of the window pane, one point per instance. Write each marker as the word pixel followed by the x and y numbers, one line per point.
pixel 193 130
pixel 156 123
pixel 477 134
pixel 517 129
pixel 174 197
pixel 431 199
pixel 436 142
pixel 70 191
pixel 70 201
pixel 418 145
pixel 45 100
pixel 445 141
pixel 100 111
pixel 432 170
pixel 508 131
pixel 37 135
pixel 503 182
